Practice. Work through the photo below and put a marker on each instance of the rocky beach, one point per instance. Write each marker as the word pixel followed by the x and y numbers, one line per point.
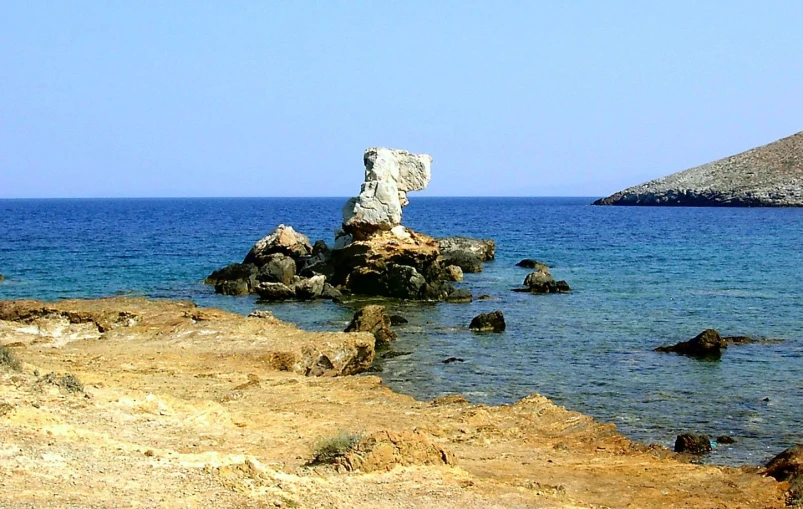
pixel 134 402
pixel 766 176
pixel 151 402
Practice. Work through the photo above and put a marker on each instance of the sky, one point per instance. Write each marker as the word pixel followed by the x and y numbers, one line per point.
pixel 510 98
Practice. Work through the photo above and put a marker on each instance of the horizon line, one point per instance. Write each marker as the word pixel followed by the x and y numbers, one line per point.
pixel 268 197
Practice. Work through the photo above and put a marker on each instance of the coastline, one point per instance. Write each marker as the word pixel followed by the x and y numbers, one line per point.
pixel 193 406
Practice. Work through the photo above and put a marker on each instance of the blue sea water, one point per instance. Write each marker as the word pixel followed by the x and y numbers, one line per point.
pixel 641 277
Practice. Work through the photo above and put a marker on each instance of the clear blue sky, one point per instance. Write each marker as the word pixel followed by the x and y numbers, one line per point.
pixel 580 98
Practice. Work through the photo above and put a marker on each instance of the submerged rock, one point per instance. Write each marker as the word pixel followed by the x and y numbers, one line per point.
pixel 488 322
pixel 692 443
pixel 707 344
pixel 398 320
pixel 529 263
pixel 372 319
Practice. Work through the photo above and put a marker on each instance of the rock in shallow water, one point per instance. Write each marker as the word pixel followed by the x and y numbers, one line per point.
pixel 541 281
pixel 372 319
pixel 529 263
pixel 707 344
pixel 488 322
pixel 693 443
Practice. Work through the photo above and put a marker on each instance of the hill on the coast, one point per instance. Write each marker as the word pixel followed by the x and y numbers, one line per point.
pixel 766 176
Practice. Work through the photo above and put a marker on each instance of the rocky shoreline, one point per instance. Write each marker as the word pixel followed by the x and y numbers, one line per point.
pixel 766 176
pixel 131 401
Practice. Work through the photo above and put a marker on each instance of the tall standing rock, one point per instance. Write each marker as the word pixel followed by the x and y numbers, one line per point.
pixel 389 175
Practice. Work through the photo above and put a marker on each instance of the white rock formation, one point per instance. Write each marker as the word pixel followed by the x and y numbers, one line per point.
pixel 389 175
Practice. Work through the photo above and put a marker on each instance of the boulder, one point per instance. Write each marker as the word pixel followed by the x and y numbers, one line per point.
pixel 436 290
pixel 485 249
pixel 389 175
pixel 284 240
pixel 541 281
pixel 529 263
pixel 403 282
pixel 233 272
pixel 330 292
pixel 788 466
pixel 693 443
pixel 539 277
pixel 453 273
pixel 460 295
pixel 466 260
pixel 708 345
pixel 1 277
pixel 236 287
pixel 274 291
pixel 278 268
pixel 372 319
pixel 488 322
pixel 308 288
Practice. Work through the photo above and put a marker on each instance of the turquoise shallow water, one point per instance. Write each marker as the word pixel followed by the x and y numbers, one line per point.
pixel 642 277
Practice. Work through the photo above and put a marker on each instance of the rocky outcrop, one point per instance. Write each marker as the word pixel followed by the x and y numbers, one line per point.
pixel 280 266
pixel 488 322
pixel 373 254
pixel 692 443
pixel 389 175
pixel 373 319
pixel 767 176
pixel 541 281
pixel 399 263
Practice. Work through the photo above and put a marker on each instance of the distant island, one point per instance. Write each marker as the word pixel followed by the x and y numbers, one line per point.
pixel 766 176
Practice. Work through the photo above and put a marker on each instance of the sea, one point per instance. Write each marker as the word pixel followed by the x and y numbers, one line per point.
pixel 641 277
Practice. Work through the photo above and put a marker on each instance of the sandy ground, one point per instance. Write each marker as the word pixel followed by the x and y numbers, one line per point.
pixel 184 407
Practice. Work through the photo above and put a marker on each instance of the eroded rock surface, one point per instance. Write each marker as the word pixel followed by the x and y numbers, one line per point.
pixel 185 406
pixel 389 175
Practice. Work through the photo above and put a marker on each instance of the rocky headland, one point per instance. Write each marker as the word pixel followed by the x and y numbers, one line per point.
pixel 131 402
pixel 373 253
pixel 767 176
